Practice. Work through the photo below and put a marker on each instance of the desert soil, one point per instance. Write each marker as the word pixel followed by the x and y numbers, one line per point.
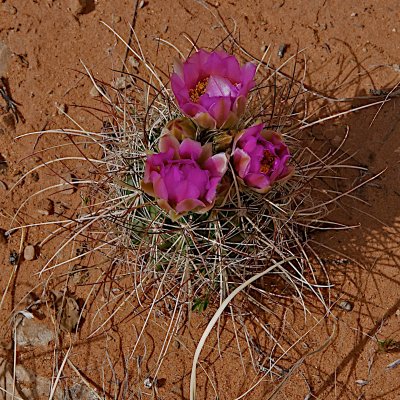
pixel 350 48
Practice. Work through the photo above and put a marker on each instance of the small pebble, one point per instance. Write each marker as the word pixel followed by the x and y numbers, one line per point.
pixel 69 182
pixel 282 50
pixel 148 382
pixel 345 305
pixel 46 207
pixel 278 4
pixel 3 186
pixel 264 48
pixel 337 140
pixel 60 208
pixel 133 62
pixel 353 14
pixel 94 92
pixel 396 67
pixel 78 7
pixel 3 237
pixel 7 121
pixel 115 19
pixel 14 257
pixel 29 253
pixel 3 164
pixel 8 8
pixel 177 344
pixel 142 4
pixel 61 108
pixel 35 176
pixel 5 55
pixel 122 82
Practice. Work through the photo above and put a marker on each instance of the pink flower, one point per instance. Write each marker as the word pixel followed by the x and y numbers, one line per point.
pixel 212 88
pixel 260 158
pixel 184 176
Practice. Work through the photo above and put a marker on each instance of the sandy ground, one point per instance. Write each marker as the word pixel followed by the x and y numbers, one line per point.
pixel 349 49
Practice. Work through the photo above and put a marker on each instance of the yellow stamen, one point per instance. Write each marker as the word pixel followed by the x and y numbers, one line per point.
pixel 198 90
pixel 267 162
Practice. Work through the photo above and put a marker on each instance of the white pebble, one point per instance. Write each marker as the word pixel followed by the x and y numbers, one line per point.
pixel 29 253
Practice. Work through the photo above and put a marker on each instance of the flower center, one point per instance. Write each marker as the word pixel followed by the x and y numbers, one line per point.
pixel 198 90
pixel 267 162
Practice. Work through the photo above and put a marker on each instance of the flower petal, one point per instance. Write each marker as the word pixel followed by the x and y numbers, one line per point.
pixel 168 142
pixel 220 110
pixel 192 109
pixel 205 120
pixel 217 164
pixel 212 191
pixel 147 188
pixel 160 190
pixel 241 162
pixel 188 205
pixel 230 121
pixel 233 71
pixel 190 149
pixel 178 67
pixel 206 153
pixel 219 86
pixel 247 73
pixel 239 105
pixel 259 181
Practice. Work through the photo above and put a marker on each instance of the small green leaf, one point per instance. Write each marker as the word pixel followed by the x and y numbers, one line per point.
pixel 200 304
pixel 388 345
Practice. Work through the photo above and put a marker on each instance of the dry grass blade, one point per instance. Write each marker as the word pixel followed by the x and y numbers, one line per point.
pixel 216 317
pixel 55 383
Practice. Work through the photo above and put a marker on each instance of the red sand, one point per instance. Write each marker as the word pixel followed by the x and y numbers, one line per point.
pixel 343 44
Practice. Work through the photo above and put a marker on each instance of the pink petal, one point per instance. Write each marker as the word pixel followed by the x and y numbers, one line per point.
pixel 259 181
pixel 179 89
pixel 154 161
pixel 254 130
pixel 233 71
pixel 168 142
pixel 241 162
pixel 165 206
pixel 206 153
pixel 239 105
pixel 192 74
pixel 190 149
pixel 178 67
pixel 192 109
pixel 219 86
pixel 217 164
pixel 230 121
pixel 160 189
pixel 247 73
pixel 220 110
pixel 188 205
pixel 212 191
pixel 215 64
